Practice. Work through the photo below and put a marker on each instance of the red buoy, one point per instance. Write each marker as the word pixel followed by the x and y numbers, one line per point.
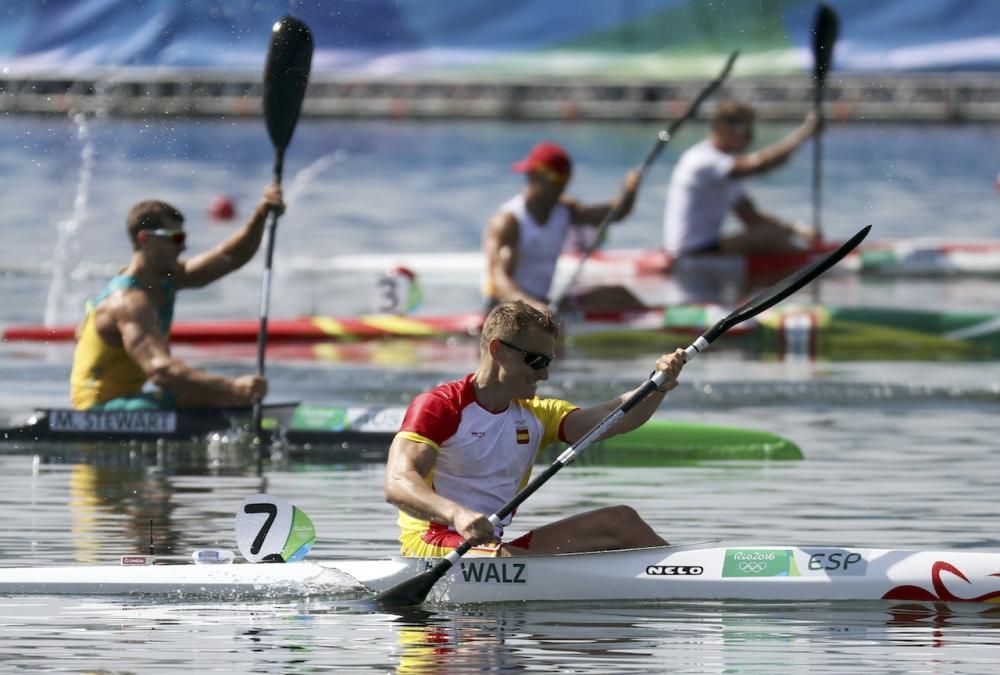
pixel 221 208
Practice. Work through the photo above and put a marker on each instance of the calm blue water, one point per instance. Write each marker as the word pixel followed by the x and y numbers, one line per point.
pixel 898 454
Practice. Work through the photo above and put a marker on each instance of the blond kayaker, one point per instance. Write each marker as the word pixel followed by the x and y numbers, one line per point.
pixel 466 447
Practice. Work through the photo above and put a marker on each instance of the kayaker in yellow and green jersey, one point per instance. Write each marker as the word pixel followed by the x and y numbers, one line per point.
pixel 123 341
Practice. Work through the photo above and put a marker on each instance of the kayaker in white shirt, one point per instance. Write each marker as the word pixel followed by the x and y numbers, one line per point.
pixel 707 184
pixel 524 238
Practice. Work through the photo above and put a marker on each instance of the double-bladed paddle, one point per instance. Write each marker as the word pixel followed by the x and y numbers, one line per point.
pixel 662 138
pixel 414 591
pixel 825 30
pixel 286 75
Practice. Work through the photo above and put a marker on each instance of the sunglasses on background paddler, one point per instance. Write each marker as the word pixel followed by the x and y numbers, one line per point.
pixel 551 175
pixel 531 359
pixel 175 236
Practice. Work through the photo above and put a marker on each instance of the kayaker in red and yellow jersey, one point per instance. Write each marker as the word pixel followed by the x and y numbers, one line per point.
pixel 523 240
pixel 707 184
pixel 123 340
pixel 465 448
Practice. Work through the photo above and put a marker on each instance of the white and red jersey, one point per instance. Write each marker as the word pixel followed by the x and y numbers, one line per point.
pixel 484 458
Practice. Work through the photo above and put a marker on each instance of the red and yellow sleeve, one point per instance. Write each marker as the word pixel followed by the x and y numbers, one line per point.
pixel 550 412
pixel 430 419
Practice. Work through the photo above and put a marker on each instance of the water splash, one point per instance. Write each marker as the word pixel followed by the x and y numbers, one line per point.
pixel 297 187
pixel 66 230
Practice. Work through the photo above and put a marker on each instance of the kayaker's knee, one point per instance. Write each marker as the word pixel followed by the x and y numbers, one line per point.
pixel 623 514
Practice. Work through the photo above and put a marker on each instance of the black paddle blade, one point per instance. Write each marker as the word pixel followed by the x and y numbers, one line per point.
pixel 286 75
pixel 825 31
pixel 412 591
pixel 771 296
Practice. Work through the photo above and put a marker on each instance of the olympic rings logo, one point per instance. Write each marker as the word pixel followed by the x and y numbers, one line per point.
pixel 753 567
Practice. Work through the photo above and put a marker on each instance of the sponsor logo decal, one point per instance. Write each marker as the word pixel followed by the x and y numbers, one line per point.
pixel 752 562
pixel 384 419
pixel 325 418
pixel 136 560
pixel 494 572
pixel 311 417
pixel 674 570
pixel 98 421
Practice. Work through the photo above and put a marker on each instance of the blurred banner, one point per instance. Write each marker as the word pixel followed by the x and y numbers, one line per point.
pixel 492 40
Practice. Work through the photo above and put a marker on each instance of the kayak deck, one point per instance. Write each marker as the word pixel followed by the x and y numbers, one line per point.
pixel 816 331
pixel 363 434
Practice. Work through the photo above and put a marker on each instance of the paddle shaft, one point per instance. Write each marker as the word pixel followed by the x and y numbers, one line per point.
pixel 265 290
pixel 817 173
pixel 825 31
pixel 817 177
pixel 257 418
pixel 662 138
pixel 414 591
pixel 265 296
pixel 286 75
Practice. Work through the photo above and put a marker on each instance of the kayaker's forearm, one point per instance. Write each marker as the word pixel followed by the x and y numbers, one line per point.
pixel 641 413
pixel 242 246
pixel 622 206
pixel 193 387
pixel 777 154
pixel 417 500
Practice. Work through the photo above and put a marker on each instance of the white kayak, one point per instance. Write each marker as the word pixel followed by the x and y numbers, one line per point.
pixel 690 572
pixel 921 257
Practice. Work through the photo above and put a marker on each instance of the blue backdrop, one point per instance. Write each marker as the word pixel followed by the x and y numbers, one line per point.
pixel 486 38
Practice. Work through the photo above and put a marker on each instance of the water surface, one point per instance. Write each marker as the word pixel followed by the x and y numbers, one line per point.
pixel 898 454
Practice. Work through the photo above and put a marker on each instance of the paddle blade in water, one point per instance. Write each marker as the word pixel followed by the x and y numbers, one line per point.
pixel 412 591
pixel 286 75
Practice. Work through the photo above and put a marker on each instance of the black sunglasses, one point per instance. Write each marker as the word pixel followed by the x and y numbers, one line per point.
pixel 176 236
pixel 531 359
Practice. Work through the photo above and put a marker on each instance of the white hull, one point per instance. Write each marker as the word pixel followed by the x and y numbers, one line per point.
pixel 904 257
pixel 745 572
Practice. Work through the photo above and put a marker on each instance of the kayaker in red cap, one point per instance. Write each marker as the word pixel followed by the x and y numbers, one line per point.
pixel 523 240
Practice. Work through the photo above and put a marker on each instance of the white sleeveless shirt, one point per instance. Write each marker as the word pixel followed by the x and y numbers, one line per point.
pixel 538 245
pixel 700 194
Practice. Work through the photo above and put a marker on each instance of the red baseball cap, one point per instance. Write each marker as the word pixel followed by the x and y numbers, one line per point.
pixel 546 156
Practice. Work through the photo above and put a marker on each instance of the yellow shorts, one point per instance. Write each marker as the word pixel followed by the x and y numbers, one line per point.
pixel 438 541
